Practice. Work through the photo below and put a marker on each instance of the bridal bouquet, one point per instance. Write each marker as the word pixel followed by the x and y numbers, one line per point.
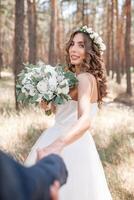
pixel 44 82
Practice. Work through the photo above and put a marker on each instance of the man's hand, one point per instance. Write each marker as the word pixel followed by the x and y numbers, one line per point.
pixel 54 190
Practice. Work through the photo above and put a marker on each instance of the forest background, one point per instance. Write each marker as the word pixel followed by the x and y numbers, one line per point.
pixel 33 30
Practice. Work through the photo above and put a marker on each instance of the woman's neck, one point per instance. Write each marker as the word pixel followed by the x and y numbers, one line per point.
pixel 77 69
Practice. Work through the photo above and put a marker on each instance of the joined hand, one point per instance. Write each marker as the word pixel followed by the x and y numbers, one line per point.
pixel 54 148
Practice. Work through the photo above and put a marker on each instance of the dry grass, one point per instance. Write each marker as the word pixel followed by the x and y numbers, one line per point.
pixel 18 130
pixel 114 137
pixel 113 134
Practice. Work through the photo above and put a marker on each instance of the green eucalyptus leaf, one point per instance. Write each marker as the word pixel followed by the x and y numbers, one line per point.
pixel 20 97
pixel 59 100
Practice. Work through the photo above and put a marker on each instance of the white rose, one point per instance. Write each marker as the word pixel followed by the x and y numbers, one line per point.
pixel 59 90
pixel 52 83
pixel 102 46
pixel 23 90
pixel 92 36
pixel 89 30
pixel 50 95
pixel 41 64
pixel 31 89
pixel 32 92
pixel 60 78
pixel 39 97
pixel 26 79
pixel 96 35
pixel 84 27
pixel 98 40
pixel 37 75
pixel 28 86
pixel 42 86
pixel 65 90
pixel 64 82
pixel 49 68
pixel 37 72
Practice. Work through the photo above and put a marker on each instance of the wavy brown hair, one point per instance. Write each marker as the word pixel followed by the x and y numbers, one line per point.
pixel 93 63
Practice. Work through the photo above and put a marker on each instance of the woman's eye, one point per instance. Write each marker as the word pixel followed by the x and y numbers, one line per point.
pixel 71 44
pixel 82 45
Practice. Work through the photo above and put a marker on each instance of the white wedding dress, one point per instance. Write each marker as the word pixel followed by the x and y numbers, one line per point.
pixel 86 180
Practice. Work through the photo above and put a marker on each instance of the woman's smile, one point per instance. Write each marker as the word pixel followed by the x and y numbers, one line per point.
pixel 77 50
pixel 74 57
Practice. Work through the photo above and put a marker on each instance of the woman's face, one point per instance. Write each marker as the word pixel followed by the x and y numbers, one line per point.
pixel 77 50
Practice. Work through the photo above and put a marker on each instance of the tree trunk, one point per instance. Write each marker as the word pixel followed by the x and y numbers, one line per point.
pixel 121 40
pixel 19 40
pixel 78 13
pixel 59 35
pixel 1 60
pixel 112 38
pixel 52 42
pixel 86 20
pixel 83 13
pixel 32 19
pixel 127 45
pixel 108 40
pixel 117 57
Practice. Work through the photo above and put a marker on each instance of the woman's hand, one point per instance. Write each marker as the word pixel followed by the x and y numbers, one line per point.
pixel 48 106
pixel 41 153
pixel 45 105
pixel 54 148
pixel 73 92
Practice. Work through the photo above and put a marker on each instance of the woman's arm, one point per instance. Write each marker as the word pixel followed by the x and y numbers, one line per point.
pixel 83 123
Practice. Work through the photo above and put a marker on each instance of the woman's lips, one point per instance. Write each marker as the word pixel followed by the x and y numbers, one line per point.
pixel 74 57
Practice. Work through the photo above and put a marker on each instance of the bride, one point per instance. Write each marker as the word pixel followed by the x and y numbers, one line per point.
pixel 70 136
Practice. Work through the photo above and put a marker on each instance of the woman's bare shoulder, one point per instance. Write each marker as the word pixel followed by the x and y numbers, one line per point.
pixel 86 77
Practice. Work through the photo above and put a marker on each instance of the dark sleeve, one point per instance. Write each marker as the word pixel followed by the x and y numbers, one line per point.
pixel 10 179
pixel 21 183
pixel 54 167
pixel 43 174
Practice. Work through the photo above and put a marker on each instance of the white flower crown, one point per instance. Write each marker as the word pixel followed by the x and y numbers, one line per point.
pixel 94 36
